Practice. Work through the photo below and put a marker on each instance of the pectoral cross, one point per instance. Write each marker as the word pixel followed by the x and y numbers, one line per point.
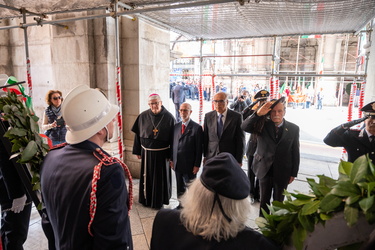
pixel 155 130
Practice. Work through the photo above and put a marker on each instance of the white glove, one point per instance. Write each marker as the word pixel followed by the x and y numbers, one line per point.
pixel 18 204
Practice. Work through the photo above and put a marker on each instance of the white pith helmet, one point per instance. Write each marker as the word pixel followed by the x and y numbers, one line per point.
pixel 86 111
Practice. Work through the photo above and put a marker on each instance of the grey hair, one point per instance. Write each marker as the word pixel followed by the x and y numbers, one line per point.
pixel 197 218
pixel 154 97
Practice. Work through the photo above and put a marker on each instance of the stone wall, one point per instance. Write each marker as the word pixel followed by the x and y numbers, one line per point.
pixel 84 53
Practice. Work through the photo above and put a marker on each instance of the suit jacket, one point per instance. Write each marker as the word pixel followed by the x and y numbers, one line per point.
pixel 356 143
pixel 240 106
pixel 251 145
pixel 283 155
pixel 178 94
pixel 178 238
pixel 232 139
pixel 187 148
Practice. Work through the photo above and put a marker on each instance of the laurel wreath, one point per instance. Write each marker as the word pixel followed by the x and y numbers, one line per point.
pixel 27 145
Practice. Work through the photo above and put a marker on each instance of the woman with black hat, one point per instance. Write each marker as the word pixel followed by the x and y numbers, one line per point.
pixel 214 214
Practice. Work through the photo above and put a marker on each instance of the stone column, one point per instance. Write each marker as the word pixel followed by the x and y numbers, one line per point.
pixel 145 69
pixel 328 83
pixel 5 51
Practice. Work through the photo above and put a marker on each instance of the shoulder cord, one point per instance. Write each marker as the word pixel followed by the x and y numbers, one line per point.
pixel 107 161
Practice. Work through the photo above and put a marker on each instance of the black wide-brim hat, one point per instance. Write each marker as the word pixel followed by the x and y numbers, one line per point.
pixel 275 102
pixel 369 108
pixel 223 175
pixel 262 94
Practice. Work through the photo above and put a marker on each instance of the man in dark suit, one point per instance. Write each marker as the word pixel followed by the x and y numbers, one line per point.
pixel 178 97
pixel 222 130
pixel 187 149
pixel 356 142
pixel 276 159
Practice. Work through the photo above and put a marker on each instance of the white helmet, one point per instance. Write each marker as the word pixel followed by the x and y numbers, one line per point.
pixel 86 111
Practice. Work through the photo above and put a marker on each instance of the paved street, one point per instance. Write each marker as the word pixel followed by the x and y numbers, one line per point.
pixel 316 159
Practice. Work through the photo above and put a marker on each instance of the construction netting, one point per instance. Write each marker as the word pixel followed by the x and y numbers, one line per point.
pixel 223 19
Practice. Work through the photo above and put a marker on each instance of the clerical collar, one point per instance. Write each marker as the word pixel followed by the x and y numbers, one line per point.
pixel 186 123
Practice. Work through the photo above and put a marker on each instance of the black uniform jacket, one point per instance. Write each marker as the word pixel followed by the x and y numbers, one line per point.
pixel 355 142
pixel 66 179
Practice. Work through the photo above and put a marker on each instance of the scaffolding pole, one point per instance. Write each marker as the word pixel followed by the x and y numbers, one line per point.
pixel 118 85
pixel 296 79
pixel 200 83
pixel 28 66
pixel 344 58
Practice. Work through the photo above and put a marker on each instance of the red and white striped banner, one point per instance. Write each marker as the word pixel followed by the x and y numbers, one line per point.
pixel 361 99
pixel 119 115
pixel 200 103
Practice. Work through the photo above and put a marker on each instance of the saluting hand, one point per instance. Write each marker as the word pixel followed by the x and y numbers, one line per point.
pixel 264 109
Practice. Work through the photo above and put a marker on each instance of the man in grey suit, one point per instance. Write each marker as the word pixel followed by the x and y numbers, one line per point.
pixel 277 157
pixel 187 148
pixel 178 97
pixel 222 130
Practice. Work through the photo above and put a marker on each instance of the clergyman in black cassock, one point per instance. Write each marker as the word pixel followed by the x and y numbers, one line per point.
pixel 153 130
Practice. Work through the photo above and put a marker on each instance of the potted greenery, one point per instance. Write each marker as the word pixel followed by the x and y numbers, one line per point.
pixel 346 204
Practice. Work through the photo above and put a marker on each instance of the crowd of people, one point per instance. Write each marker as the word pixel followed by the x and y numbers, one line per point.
pixel 87 193
pixel 295 96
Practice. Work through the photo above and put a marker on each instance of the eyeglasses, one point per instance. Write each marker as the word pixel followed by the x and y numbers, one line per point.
pixel 153 103
pixel 56 98
pixel 184 110
pixel 218 101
